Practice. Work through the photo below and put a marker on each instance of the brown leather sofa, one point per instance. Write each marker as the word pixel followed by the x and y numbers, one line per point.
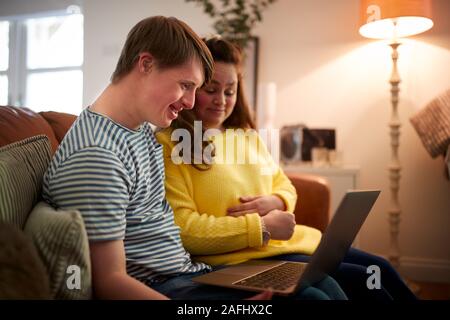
pixel 19 123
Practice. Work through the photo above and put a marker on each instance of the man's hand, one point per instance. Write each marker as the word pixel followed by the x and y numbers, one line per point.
pixel 280 224
pixel 260 204
pixel 266 295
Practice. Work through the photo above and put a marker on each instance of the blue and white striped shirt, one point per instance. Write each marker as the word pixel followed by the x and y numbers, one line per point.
pixel 115 177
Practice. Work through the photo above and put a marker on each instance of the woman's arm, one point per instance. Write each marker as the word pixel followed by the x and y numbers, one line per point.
pixel 283 194
pixel 260 204
pixel 203 233
pixel 283 188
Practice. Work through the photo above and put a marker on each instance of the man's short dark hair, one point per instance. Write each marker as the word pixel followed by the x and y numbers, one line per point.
pixel 170 41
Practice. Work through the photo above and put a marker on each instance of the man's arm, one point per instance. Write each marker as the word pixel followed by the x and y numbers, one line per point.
pixel 109 274
pixel 95 182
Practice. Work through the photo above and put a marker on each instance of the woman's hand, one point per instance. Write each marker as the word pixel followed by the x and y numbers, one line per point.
pixel 280 224
pixel 260 204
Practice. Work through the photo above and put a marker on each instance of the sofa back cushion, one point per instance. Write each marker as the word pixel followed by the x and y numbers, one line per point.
pixel 22 167
pixel 60 122
pixel 21 123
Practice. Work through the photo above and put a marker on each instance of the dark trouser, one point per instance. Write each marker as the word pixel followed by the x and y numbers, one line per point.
pixel 352 276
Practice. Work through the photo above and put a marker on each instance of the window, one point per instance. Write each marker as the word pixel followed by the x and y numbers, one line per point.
pixel 43 70
pixel 4 61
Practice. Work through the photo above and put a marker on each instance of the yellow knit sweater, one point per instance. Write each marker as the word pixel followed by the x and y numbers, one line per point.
pixel 200 200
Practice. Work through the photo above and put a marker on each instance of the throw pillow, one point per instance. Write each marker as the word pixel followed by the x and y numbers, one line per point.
pixel 61 241
pixel 22 273
pixel 22 167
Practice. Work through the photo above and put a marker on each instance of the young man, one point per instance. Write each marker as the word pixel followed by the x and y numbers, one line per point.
pixel 110 168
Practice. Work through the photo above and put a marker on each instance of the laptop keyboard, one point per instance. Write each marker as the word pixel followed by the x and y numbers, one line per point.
pixel 280 277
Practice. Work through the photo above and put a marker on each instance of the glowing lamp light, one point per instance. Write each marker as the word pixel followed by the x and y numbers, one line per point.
pixel 391 19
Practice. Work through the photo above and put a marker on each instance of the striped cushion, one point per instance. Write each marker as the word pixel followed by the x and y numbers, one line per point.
pixel 22 273
pixel 61 240
pixel 22 166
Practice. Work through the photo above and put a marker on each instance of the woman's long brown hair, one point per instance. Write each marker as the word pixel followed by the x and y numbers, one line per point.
pixel 222 51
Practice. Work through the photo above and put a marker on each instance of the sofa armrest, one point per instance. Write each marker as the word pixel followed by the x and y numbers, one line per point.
pixel 313 203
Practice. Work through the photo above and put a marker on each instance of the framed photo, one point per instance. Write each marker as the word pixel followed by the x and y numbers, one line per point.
pixel 251 56
pixel 312 138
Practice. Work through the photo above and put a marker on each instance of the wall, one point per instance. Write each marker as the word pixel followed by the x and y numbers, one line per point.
pixel 327 75
pixel 107 23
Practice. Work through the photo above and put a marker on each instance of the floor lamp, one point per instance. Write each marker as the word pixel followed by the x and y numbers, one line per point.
pixel 392 20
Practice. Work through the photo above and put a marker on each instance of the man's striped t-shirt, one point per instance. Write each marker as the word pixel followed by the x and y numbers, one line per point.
pixel 115 177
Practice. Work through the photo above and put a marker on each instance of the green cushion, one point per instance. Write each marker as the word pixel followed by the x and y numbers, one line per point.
pixel 22 167
pixel 61 241
pixel 22 273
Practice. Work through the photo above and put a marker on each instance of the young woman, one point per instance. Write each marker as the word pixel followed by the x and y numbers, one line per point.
pixel 228 207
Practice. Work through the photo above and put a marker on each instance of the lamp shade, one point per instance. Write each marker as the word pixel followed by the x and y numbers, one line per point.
pixel 388 19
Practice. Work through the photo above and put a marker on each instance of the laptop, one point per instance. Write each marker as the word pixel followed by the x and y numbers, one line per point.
pixel 285 277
